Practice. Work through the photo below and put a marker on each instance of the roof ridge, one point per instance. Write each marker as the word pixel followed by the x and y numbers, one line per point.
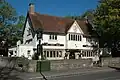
pixel 54 16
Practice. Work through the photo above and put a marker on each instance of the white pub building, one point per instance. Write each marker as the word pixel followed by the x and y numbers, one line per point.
pixel 61 36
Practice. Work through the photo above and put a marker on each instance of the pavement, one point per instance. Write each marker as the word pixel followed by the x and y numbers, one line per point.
pixel 54 74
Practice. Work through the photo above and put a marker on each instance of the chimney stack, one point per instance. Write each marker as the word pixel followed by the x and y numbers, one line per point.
pixel 31 8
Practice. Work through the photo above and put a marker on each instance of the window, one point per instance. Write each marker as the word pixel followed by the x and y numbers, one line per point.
pixel 50 37
pixel 91 53
pixel 50 53
pixel 54 53
pixel 57 54
pixel 47 53
pixel 75 37
pixel 85 54
pixel 78 37
pixel 69 36
pixel 53 37
pixel 88 54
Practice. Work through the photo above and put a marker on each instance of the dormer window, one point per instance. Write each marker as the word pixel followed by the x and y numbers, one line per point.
pixel 53 37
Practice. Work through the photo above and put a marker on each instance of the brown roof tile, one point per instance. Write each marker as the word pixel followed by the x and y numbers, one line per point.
pixel 55 24
pixel 84 27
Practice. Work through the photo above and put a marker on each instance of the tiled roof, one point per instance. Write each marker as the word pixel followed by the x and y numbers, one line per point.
pixel 55 24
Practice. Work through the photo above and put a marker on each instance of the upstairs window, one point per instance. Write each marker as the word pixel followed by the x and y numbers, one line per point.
pixel 69 36
pixel 74 37
pixel 79 37
pixel 53 37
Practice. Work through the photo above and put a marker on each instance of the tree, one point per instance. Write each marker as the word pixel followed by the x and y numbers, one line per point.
pixel 7 13
pixel 107 21
pixel 10 24
pixel 88 13
pixel 73 17
pixel 21 20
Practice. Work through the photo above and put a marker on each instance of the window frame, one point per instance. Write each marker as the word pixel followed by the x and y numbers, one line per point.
pixel 53 37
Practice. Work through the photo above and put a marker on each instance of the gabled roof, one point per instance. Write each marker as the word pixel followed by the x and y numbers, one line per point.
pixel 55 24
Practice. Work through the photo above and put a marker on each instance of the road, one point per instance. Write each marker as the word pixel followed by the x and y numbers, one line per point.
pixel 90 75
pixel 107 75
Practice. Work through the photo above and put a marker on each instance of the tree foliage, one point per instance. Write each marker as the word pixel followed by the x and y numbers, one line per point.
pixel 88 13
pixel 7 13
pixel 107 21
pixel 10 23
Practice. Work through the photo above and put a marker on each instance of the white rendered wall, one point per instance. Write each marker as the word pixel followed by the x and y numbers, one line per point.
pixel 23 51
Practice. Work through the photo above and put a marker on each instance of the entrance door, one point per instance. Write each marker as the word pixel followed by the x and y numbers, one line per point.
pixel 72 55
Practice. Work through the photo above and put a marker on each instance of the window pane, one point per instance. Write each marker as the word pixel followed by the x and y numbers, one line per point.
pixel 47 53
pixel 69 36
pixel 76 38
pixel 50 37
pixel 50 53
pixel 92 54
pixel 73 37
pixel 57 54
pixel 85 54
pixel 54 53
pixel 55 37
pixel 89 53
pixel 80 37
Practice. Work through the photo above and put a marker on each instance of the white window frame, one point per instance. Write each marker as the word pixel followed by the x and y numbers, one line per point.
pixel 53 37
pixel 74 37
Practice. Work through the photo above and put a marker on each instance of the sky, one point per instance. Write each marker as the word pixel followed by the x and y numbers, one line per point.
pixel 54 7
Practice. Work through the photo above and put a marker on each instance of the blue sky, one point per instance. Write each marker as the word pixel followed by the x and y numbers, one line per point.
pixel 55 7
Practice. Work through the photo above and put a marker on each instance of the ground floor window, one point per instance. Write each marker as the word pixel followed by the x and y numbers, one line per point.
pixel 52 53
pixel 57 53
pixel 87 54
pixel 47 53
